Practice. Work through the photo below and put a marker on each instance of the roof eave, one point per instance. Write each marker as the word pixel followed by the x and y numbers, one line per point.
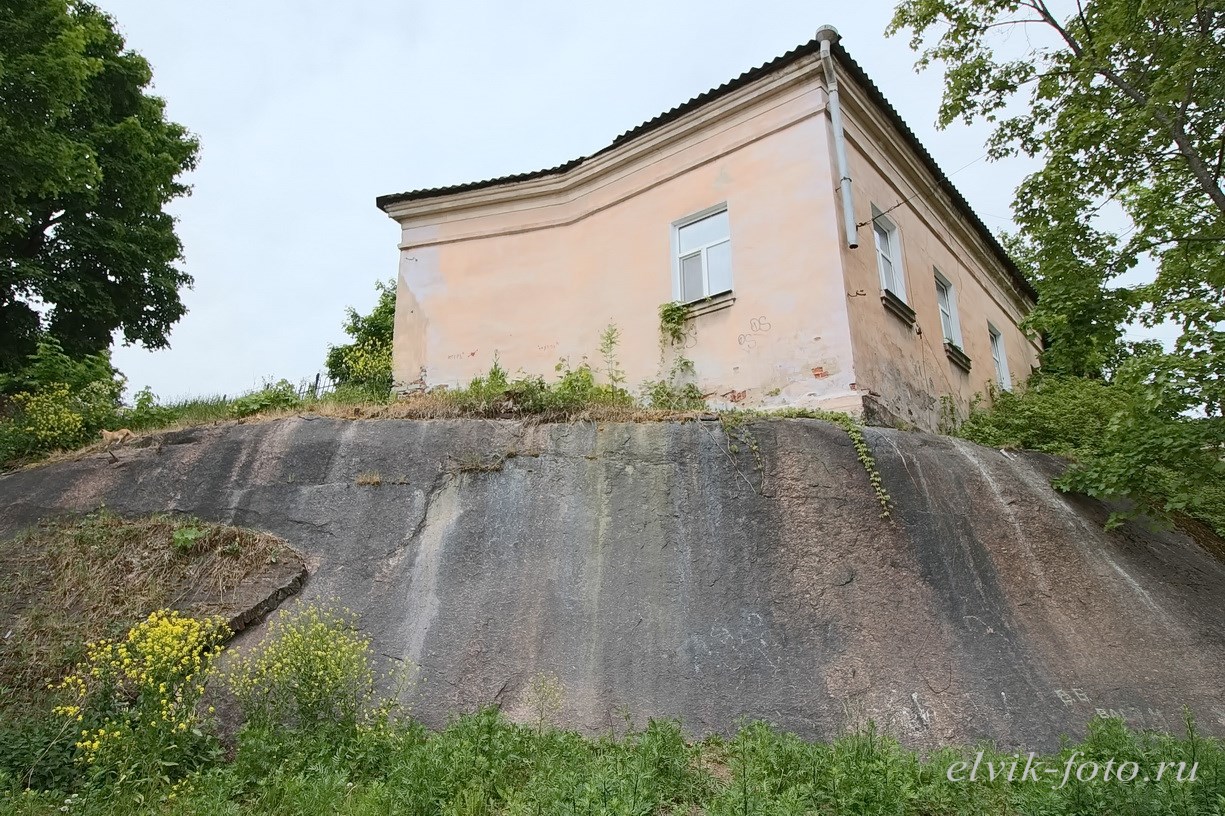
pixel 384 202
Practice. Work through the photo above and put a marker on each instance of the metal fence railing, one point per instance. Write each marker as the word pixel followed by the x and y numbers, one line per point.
pixel 315 388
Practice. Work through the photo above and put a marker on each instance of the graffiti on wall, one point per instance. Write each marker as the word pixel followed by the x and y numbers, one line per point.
pixel 758 326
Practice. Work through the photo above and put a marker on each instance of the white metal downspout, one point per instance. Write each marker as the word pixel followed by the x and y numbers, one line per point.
pixel 827 35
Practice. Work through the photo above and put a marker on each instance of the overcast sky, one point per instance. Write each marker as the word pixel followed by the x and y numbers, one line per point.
pixel 306 110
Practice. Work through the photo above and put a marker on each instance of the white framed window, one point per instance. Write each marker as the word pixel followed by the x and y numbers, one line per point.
pixel 1000 358
pixel 888 254
pixel 946 299
pixel 702 255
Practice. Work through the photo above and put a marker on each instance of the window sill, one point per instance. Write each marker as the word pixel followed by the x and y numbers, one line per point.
pixel 711 304
pixel 898 306
pixel 959 357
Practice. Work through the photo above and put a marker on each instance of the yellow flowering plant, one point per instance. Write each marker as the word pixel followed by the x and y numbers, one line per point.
pixel 136 701
pixel 314 669
pixel 46 418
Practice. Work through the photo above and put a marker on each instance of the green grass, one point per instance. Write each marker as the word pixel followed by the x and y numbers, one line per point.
pixel 309 732
pixel 200 410
pixel 483 764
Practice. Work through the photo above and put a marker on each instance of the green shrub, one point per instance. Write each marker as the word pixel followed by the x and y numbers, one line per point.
pixel 45 420
pixel 575 390
pixel 366 362
pixel 674 390
pixel 1126 442
pixel 670 395
pixel 146 413
pixel 49 366
pixel 1066 416
pixel 488 392
pixel 57 402
pixel 278 396
pixel 37 752
pixel 56 418
pixel 313 670
pixel 184 538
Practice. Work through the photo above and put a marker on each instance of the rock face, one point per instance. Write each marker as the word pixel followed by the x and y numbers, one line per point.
pixel 658 571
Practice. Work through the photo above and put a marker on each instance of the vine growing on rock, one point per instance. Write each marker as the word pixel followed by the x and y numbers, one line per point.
pixel 733 426
pixel 862 452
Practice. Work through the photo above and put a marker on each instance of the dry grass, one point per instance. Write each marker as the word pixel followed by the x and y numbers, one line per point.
pixel 67 582
pixel 445 405
pixel 475 463
pixel 421 406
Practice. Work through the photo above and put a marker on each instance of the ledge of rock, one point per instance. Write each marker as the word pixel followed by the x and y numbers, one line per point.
pixel 655 569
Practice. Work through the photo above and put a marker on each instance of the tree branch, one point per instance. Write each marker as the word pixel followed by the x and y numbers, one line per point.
pixel 1183 239
pixel 1220 156
pixel 1080 10
pixel 1003 23
pixel 36 235
pixel 1174 129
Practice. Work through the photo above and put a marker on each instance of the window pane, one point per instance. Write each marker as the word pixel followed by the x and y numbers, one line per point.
pixel 707 231
pixel 946 310
pixel 719 267
pixel 886 273
pixel 997 356
pixel 882 239
pixel 691 277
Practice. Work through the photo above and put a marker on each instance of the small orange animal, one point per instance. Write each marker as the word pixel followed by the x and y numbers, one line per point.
pixel 112 438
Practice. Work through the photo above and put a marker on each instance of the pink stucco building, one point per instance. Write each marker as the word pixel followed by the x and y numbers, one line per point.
pixel 828 262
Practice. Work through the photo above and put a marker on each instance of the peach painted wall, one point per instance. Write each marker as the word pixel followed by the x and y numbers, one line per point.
pixel 534 271
pixel 904 369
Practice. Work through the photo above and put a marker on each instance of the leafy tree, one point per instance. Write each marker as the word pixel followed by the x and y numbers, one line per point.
pixel 88 162
pixel 366 362
pixel 1123 102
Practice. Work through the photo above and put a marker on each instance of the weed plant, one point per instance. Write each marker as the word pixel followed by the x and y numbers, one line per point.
pixel 317 738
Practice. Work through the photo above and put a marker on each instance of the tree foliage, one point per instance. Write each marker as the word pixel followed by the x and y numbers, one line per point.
pixel 88 162
pixel 365 363
pixel 1123 103
pixel 1121 441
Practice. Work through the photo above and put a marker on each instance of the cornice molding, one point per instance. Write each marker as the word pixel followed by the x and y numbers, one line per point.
pixel 872 131
pixel 570 186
